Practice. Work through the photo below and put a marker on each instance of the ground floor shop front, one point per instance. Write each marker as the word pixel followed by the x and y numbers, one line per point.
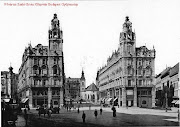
pixel 44 96
pixel 129 96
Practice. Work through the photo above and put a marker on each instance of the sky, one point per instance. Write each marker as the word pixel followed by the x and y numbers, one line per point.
pixel 90 31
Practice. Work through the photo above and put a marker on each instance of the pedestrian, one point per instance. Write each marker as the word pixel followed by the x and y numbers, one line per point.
pixel 78 110
pixel 58 110
pixel 25 115
pixel 114 111
pixel 39 111
pixel 49 112
pixel 95 113
pixel 100 111
pixel 28 107
pixel 83 117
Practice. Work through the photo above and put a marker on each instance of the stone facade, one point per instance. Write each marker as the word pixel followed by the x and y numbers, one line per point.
pixel 9 81
pixel 74 88
pixel 41 75
pixel 129 72
pixel 169 78
pixel 91 93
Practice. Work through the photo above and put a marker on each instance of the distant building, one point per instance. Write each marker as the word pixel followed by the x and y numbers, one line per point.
pixel 74 88
pixel 41 75
pixel 168 82
pixel 9 81
pixel 129 75
pixel 91 93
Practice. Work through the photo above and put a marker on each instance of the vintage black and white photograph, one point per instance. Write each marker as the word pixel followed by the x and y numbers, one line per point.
pixel 90 63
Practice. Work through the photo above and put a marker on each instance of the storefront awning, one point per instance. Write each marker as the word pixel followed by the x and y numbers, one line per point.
pixel 174 101
pixel 24 100
pixel 6 100
pixel 110 99
pixel 178 102
pixel 115 99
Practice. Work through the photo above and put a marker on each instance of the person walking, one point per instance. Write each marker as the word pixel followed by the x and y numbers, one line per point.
pixel 100 111
pixel 83 117
pixel 25 116
pixel 78 110
pixel 114 111
pixel 95 113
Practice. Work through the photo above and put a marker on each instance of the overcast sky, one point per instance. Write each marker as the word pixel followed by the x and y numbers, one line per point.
pixel 91 32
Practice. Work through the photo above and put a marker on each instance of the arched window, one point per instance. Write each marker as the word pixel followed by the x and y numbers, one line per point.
pixel 44 70
pixel 129 70
pixel 55 70
pixel 140 71
pixel 35 70
pixel 148 71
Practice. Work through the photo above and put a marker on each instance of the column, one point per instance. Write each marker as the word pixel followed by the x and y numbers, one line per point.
pixel 153 96
pixel 119 99
pixel 30 98
pixel 123 97
pixel 135 96
pixel 61 97
pixel 49 96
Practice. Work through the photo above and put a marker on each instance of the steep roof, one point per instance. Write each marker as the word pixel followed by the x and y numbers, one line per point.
pixel 165 72
pixel 174 70
pixel 92 87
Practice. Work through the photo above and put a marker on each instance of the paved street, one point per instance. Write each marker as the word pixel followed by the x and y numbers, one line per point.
pixel 125 117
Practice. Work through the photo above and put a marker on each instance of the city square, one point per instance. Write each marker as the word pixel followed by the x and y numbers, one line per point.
pixel 114 65
pixel 125 117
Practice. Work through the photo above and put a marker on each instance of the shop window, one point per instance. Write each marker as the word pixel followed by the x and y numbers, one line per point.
pixel 143 102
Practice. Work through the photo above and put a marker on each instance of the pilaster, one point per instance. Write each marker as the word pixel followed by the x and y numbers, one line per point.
pixel 135 96
pixel 30 98
pixel 123 97
pixel 49 96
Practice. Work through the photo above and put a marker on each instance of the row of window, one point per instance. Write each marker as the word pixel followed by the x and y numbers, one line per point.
pixel 45 82
pixel 38 71
pixel 44 61
pixel 45 92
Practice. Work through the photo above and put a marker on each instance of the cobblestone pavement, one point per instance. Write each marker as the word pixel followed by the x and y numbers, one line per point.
pixel 20 121
pixel 125 117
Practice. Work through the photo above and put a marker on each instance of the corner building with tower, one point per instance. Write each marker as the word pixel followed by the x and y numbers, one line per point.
pixel 128 78
pixel 41 75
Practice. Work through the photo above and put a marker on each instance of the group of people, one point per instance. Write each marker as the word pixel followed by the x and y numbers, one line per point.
pixel 44 111
pixel 96 113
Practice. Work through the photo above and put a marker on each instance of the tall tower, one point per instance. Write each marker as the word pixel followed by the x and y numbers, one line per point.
pixel 128 54
pixel 82 84
pixel 55 36
pixel 56 59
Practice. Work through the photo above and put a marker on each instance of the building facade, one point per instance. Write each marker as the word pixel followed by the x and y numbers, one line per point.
pixel 41 75
pixel 9 81
pixel 74 88
pixel 91 93
pixel 167 82
pixel 128 76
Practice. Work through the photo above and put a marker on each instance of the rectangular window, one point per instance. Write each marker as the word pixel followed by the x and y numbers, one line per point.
pixel 35 82
pixel 35 61
pixel 44 82
pixel 129 82
pixel 140 82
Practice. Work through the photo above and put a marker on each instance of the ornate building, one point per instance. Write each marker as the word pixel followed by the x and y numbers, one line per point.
pixel 128 76
pixel 9 81
pixel 75 88
pixel 168 82
pixel 41 75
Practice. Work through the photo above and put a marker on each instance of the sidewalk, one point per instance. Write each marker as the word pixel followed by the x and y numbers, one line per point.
pixel 20 121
